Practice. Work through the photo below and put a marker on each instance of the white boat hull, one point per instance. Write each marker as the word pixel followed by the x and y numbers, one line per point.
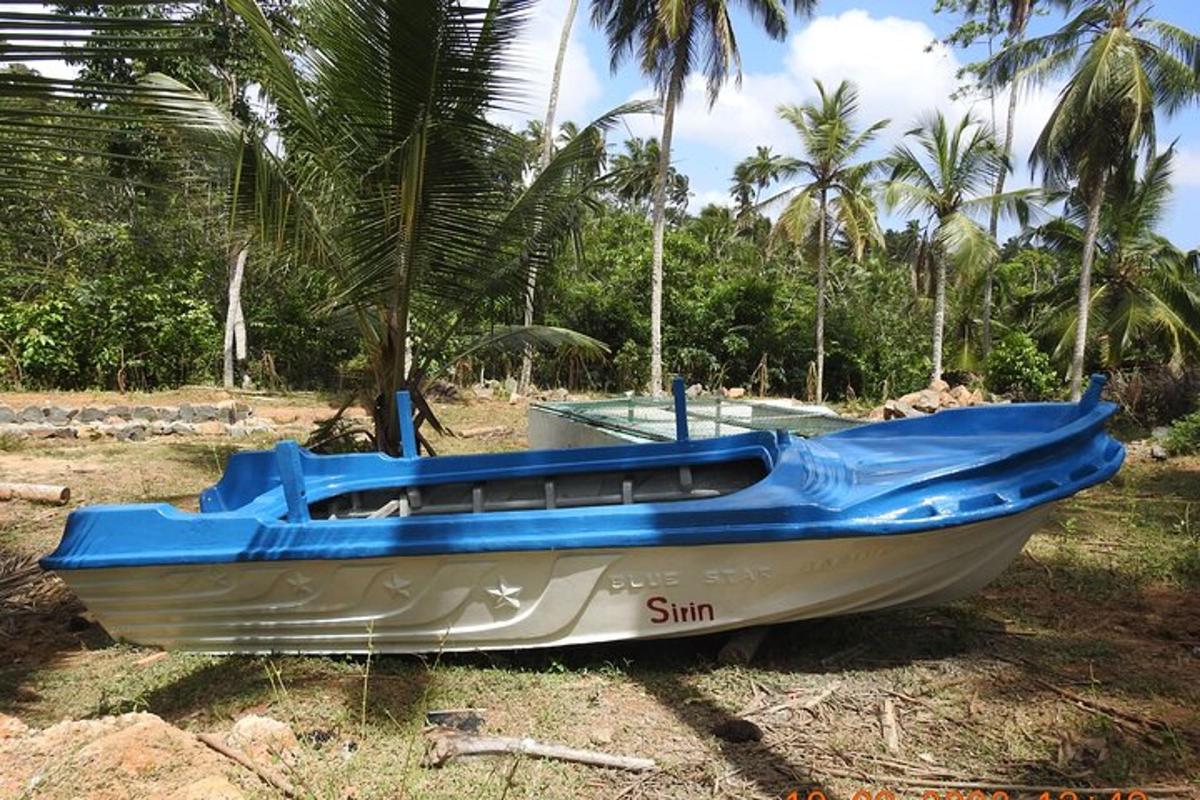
pixel 540 598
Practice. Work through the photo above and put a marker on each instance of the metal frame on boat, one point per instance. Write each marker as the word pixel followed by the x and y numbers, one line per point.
pixel 341 553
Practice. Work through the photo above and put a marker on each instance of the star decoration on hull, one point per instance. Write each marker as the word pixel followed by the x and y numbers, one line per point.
pixel 300 582
pixel 397 586
pixel 505 596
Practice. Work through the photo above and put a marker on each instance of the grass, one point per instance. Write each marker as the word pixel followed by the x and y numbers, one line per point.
pixel 1105 603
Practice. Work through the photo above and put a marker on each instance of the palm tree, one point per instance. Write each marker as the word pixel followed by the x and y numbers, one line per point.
pixel 948 180
pixel 667 36
pixel 831 142
pixel 1123 66
pixel 753 174
pixel 635 171
pixel 1144 291
pixel 1011 17
pixel 389 178
pixel 547 150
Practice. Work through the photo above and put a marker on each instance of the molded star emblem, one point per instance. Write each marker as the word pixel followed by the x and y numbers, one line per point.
pixel 397 586
pixel 505 595
pixel 300 582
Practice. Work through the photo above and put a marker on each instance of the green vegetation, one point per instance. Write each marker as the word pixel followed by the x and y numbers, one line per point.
pixel 361 232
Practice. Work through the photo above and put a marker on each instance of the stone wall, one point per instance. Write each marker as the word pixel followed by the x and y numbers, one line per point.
pixel 131 422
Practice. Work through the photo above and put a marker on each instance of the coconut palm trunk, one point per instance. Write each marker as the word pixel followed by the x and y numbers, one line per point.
pixel 235 324
pixel 994 219
pixel 547 150
pixel 822 268
pixel 659 221
pixel 1095 203
pixel 939 317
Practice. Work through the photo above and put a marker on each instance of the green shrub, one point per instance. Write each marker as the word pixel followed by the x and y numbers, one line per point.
pixel 1184 437
pixel 1016 367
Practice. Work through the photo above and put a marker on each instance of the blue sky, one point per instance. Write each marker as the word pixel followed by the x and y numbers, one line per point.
pixel 881 46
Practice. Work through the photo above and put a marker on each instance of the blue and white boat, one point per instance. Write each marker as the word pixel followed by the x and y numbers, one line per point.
pixel 297 552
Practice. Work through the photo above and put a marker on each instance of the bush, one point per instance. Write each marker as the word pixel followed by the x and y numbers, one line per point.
pixel 1016 367
pixel 1184 437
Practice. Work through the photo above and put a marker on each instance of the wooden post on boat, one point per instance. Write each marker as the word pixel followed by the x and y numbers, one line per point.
pixel 681 420
pixel 408 433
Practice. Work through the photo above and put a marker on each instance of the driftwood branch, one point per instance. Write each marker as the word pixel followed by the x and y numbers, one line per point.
pixel 35 492
pixel 889 726
pixel 267 774
pixel 447 743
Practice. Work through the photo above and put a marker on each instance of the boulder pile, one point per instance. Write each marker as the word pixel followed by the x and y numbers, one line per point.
pixel 937 396
pixel 131 423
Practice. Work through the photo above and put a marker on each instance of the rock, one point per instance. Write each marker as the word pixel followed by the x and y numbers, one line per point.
pixel 32 414
pixel 735 393
pixel 514 398
pixel 928 400
pixel 148 413
pixel 56 415
pixel 203 413
pixel 185 412
pixel 601 735
pixel 483 392
pixel 242 411
pixel 558 395
pixel 939 385
pixel 91 414
pixel 877 414
pixel 910 398
pixel 962 394
pixel 35 431
pixel 133 432
pixel 167 413
pixel 695 390
pixel 183 429
pixel 160 428
pixel 264 740
pixel 976 398
pixel 65 432
pixel 211 428
pixel 7 415
pixel 227 411
pixel 898 409
pixel 122 412
pixel 1158 434
pixel 1158 452
pixel 510 385
pixel 738 730
pixel 11 727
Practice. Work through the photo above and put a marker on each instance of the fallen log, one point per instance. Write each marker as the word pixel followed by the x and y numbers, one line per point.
pixel 35 492
pixel 448 743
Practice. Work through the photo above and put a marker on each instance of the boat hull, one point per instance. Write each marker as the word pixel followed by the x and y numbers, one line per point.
pixel 540 598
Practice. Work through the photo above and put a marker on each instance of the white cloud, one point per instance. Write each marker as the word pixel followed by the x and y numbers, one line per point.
pixel 535 53
pixel 709 197
pixel 899 68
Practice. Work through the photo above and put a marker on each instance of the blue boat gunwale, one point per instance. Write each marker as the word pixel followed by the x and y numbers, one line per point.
pixel 1069 452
